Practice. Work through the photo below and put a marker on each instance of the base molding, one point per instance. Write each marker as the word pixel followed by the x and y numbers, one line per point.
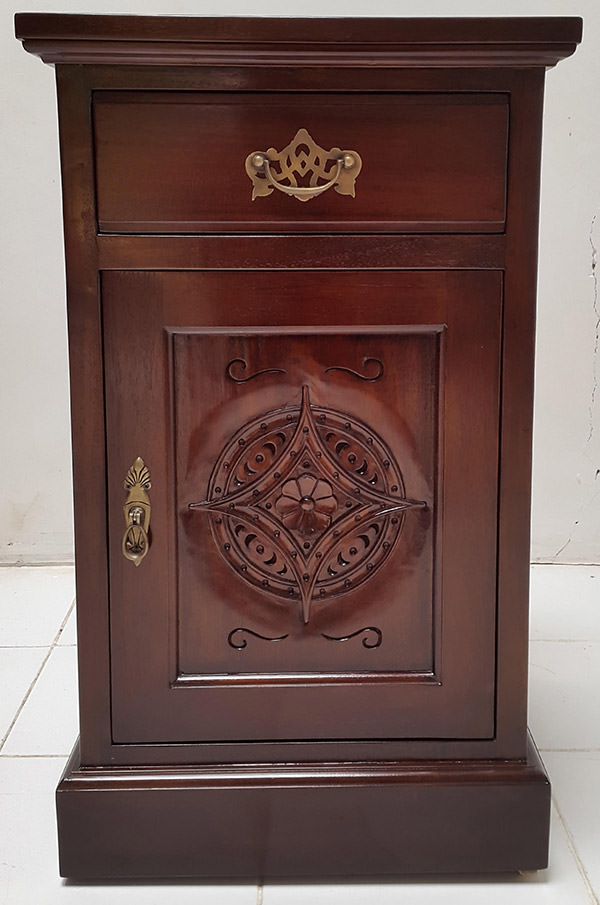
pixel 303 821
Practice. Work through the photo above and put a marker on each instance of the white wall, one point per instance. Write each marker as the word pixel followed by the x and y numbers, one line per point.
pixel 35 492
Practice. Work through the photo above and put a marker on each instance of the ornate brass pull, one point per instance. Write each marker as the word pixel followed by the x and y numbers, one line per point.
pixel 302 156
pixel 137 512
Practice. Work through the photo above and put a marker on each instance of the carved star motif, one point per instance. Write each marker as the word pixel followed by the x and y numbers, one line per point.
pixel 311 522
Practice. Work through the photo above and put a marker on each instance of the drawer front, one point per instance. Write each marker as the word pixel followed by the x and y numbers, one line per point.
pixel 176 162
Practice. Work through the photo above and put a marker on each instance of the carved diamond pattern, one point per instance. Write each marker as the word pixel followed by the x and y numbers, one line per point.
pixel 306 503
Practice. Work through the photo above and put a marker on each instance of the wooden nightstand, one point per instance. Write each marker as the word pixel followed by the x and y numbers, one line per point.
pixel 301 265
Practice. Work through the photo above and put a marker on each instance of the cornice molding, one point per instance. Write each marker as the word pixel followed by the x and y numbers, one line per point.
pixel 393 43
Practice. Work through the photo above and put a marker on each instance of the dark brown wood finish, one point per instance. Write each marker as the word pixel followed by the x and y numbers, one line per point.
pixel 326 42
pixel 245 252
pixel 174 162
pixel 517 402
pixel 344 822
pixel 362 252
pixel 87 414
pixel 456 312
pixel 140 307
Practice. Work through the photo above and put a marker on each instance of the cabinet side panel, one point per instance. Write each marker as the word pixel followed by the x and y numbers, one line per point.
pixel 87 410
pixel 517 409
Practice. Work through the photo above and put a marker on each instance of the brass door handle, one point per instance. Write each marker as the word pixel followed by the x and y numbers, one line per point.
pixel 137 512
pixel 299 160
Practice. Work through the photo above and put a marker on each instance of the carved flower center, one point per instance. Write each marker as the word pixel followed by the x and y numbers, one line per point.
pixel 306 504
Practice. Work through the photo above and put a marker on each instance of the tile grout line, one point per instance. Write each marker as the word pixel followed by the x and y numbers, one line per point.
pixel 32 646
pixel 553 562
pixel 594 750
pixel 36 677
pixel 41 564
pixel 564 640
pixel 29 756
pixel 573 849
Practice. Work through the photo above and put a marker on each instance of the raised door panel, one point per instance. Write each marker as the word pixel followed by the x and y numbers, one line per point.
pixel 322 560
pixel 288 448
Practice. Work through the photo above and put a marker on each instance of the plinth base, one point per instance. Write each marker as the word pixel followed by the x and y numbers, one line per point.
pixel 303 821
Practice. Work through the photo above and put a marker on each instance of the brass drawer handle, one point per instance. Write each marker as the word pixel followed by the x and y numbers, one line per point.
pixel 301 157
pixel 137 512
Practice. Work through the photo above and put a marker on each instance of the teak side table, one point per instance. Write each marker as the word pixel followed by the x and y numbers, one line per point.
pixel 301 268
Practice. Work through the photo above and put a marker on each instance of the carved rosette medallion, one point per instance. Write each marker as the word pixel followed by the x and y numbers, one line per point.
pixel 306 503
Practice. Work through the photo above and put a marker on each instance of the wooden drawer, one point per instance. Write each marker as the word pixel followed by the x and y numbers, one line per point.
pixel 170 162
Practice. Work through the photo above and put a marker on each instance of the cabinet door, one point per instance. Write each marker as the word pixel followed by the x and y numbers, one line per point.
pixel 321 453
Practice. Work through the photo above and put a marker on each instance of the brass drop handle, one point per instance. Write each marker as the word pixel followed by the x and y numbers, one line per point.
pixel 296 161
pixel 302 193
pixel 137 512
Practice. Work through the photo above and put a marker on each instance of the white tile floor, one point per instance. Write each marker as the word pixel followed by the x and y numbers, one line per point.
pixel 38 724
